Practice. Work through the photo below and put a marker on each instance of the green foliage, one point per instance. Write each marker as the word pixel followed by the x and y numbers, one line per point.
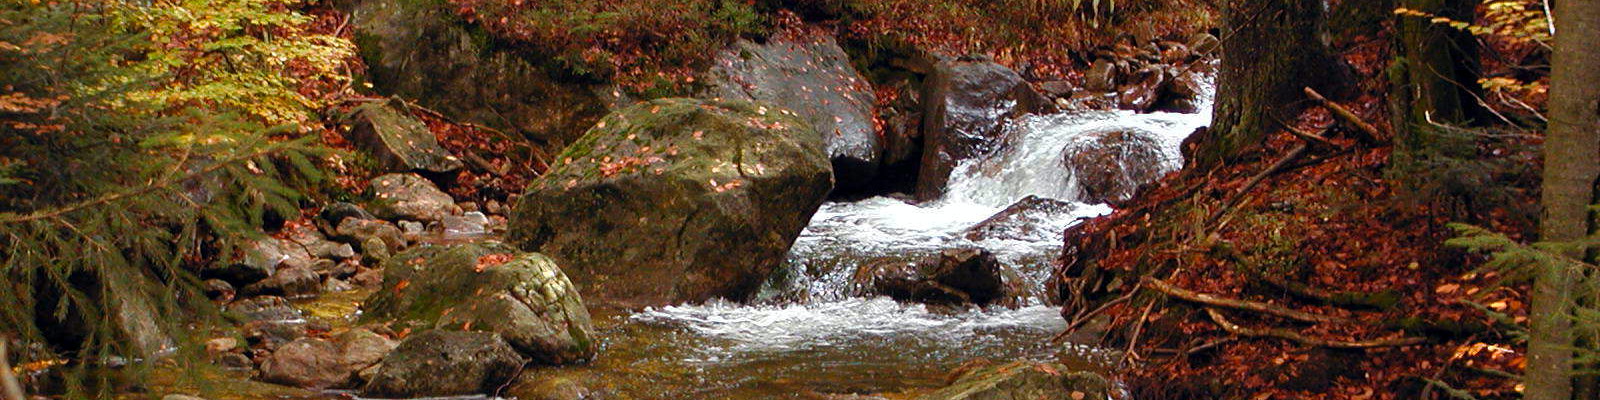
pixel 1519 262
pixel 137 142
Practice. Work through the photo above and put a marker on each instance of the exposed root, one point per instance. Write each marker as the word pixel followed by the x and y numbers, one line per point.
pixel 1216 316
pixel 1270 309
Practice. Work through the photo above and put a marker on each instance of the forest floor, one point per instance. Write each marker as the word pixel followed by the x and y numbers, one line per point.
pixel 1378 305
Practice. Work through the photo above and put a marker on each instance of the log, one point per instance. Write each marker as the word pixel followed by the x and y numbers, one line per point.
pixel 1285 334
pixel 1370 133
pixel 1265 308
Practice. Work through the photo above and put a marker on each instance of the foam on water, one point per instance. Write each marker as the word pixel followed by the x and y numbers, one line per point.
pixel 815 304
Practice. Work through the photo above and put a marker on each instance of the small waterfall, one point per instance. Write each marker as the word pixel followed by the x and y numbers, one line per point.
pixel 814 299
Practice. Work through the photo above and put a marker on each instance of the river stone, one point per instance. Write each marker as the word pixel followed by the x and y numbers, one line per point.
pixel 424 50
pixel 321 364
pixel 1143 89
pixel 397 141
pixel 968 103
pixel 291 281
pixel 409 197
pixel 1025 380
pixel 264 308
pixel 336 213
pixel 1182 93
pixel 677 200
pixel 378 239
pixel 951 277
pixel 444 363
pixel 1110 165
pixel 493 287
pixel 1022 221
pixel 812 76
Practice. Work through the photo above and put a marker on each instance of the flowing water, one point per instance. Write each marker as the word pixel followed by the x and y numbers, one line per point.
pixel 814 334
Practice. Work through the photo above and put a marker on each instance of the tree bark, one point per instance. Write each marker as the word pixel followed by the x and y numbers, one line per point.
pixel 1433 79
pixel 1571 166
pixel 1271 49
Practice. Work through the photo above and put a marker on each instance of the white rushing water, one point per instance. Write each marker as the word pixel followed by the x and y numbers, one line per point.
pixel 816 304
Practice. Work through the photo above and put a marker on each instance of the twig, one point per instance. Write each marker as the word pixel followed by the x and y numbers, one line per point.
pixel 1079 321
pixel 1349 117
pixel 1216 316
pixel 1138 328
pixel 1271 309
pixel 1310 137
pixel 12 390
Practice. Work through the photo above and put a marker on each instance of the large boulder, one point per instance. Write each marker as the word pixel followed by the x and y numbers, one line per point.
pixel 1025 380
pixel 1108 166
pixel 397 141
pixel 422 49
pixel 950 278
pixel 493 287
pixel 444 363
pixel 968 103
pixel 321 364
pixel 811 76
pixel 410 197
pixel 677 200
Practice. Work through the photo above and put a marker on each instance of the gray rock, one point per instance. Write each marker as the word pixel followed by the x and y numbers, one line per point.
pixel 1022 221
pixel 1113 164
pixel 444 363
pixel 335 213
pixel 264 308
pixel 491 287
pixel 812 76
pixel 399 142
pixel 321 364
pixel 1025 380
pixel 952 277
pixel 377 239
pixel 295 281
pixel 468 225
pixel 677 200
pixel 409 197
pixel 967 104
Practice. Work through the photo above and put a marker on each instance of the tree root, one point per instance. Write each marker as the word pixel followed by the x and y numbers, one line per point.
pixel 1270 309
pixel 1285 334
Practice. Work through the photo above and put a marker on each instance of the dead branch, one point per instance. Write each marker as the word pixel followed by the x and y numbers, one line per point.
pixel 1285 334
pixel 1371 133
pixel 1228 203
pixel 1310 137
pixel 1079 321
pixel 1265 308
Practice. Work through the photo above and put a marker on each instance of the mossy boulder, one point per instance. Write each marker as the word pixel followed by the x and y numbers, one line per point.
pixel 424 50
pixel 1024 380
pixel 397 141
pixel 677 200
pixel 490 287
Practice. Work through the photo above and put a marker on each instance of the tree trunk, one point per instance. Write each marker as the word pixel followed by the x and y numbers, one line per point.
pixel 1572 163
pixel 1434 76
pixel 1271 49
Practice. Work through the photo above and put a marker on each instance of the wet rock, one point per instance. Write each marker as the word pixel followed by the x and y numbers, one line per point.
pixel 367 278
pixel 1182 93
pixel 410 197
pixel 412 230
pixel 444 363
pixel 1057 88
pixel 377 239
pixel 1143 89
pixel 269 335
pixel 423 50
pixel 1024 220
pixel 523 297
pixel 1112 164
pixel 221 345
pixel 264 308
pixel 552 388
pixel 321 364
pixel 677 200
pixel 1025 380
pixel 1102 76
pixel 217 289
pixel 235 361
pixel 397 141
pixel 259 260
pixel 294 281
pixel 335 285
pixel 471 224
pixel 968 102
pixel 952 277
pixel 811 76
pixel 305 242
pixel 335 214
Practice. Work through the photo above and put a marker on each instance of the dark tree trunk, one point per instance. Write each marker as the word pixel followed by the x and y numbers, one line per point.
pixel 1271 49
pixel 1433 78
pixel 1571 166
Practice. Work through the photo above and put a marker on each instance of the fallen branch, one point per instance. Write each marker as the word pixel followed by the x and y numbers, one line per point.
pixel 1372 135
pixel 1216 316
pixel 1228 203
pixel 1270 309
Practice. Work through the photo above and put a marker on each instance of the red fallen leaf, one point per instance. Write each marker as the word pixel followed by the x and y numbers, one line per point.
pixel 402 285
pixel 491 260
